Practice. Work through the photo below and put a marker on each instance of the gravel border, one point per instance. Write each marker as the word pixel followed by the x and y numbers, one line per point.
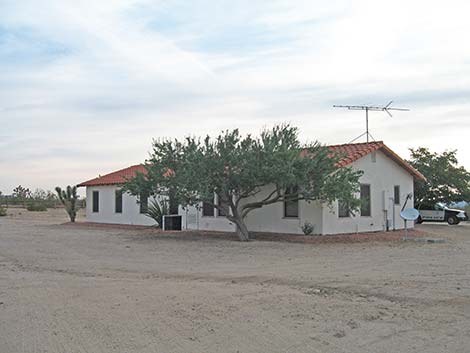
pixel 279 237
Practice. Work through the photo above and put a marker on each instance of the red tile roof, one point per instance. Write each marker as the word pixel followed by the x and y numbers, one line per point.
pixel 350 153
pixel 116 178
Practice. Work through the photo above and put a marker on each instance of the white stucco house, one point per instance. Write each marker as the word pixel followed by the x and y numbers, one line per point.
pixel 385 185
pixel 106 203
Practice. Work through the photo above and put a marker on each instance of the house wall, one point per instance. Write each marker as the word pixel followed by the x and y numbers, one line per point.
pixel 130 208
pixel 194 220
pixel 266 219
pixel 382 175
pixel 271 218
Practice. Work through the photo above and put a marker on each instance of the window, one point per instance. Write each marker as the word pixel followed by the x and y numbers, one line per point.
pixel 291 207
pixel 207 209
pixel 118 201
pixel 96 201
pixel 396 194
pixel 365 200
pixel 144 203
pixel 343 209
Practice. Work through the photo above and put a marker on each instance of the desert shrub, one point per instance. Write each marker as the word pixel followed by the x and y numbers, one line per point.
pixel 308 228
pixel 3 211
pixel 35 206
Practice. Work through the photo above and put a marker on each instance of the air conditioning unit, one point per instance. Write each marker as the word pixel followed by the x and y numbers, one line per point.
pixel 172 222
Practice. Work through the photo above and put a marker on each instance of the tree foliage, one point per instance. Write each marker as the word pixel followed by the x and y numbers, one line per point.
pixel 238 169
pixel 69 199
pixel 446 181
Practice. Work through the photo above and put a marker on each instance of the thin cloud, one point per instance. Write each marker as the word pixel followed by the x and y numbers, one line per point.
pixel 85 86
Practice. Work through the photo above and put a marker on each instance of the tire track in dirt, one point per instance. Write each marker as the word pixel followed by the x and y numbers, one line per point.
pixel 325 287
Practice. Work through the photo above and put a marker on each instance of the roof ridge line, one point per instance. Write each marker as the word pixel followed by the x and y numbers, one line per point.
pixel 357 143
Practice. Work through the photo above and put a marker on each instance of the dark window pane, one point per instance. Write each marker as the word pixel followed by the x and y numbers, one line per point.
pixel 96 201
pixel 118 201
pixel 143 200
pixel 396 194
pixel 291 207
pixel 343 209
pixel 365 200
pixel 207 209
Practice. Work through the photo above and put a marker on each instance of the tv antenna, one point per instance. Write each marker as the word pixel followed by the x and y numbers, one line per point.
pixel 368 108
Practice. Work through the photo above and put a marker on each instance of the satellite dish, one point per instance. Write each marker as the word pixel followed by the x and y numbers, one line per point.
pixel 409 214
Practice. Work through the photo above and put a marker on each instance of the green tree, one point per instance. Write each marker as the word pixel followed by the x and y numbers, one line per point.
pixel 69 199
pixel 239 170
pixel 446 181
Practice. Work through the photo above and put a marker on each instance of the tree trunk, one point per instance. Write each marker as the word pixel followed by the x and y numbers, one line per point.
pixel 242 231
pixel 235 217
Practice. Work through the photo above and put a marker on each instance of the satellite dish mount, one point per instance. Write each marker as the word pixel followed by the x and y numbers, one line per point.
pixel 408 214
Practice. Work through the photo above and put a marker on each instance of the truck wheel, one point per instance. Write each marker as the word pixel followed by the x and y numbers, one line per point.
pixel 452 220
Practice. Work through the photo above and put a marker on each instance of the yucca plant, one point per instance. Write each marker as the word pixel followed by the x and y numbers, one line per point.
pixel 69 199
pixel 156 210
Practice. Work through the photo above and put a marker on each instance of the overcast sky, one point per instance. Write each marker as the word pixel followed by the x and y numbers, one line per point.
pixel 86 85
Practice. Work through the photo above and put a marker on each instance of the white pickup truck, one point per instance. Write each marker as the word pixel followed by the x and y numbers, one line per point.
pixel 442 213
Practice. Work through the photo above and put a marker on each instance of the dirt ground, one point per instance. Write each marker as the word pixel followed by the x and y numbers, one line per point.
pixel 75 289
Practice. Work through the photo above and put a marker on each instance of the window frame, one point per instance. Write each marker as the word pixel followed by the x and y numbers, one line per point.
pixel 118 193
pixel 297 204
pixel 207 206
pixel 95 201
pixel 369 201
pixel 395 187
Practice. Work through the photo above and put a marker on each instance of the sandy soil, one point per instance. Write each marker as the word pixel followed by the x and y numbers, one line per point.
pixel 78 289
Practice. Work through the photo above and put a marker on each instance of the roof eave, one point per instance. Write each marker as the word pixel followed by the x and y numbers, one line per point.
pixel 105 184
pixel 414 172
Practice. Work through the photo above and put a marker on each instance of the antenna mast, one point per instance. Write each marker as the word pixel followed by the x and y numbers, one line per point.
pixel 368 108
